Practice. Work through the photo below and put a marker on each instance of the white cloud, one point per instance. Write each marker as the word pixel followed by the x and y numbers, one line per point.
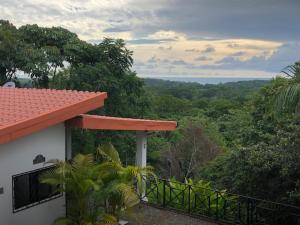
pixel 167 35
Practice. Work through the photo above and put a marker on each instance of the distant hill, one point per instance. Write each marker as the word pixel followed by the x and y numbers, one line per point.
pixel 192 90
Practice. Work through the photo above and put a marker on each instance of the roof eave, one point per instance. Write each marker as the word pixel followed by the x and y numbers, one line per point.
pixel 116 123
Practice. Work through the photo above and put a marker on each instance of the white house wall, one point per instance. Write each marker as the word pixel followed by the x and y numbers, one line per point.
pixel 17 157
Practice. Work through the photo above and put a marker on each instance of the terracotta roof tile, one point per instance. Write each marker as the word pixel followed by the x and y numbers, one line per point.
pixel 21 108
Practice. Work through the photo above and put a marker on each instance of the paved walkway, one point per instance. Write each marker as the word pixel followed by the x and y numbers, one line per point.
pixel 147 215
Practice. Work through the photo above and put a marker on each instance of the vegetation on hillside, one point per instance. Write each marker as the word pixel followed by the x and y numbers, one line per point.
pixel 258 144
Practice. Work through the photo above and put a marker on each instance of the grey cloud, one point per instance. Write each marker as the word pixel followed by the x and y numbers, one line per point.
pixel 192 50
pixel 233 45
pixel 240 53
pixel 228 60
pixel 176 62
pixel 139 64
pixel 209 50
pixel 116 29
pixel 149 41
pixel 165 48
pixel 243 46
pixel 179 62
pixel 203 58
pixel 263 19
pixel 151 66
pixel 153 59
pixel 143 41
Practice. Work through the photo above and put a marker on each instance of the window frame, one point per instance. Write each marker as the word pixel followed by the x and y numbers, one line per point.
pixel 60 194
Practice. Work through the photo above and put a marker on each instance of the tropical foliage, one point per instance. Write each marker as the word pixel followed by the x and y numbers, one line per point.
pixel 98 188
pixel 288 98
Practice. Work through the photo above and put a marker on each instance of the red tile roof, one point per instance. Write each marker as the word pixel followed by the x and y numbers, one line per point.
pixel 24 111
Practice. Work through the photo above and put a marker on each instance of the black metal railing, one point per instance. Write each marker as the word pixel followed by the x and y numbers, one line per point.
pixel 218 205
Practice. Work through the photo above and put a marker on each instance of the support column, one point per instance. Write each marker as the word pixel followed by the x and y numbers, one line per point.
pixel 141 159
pixel 68 144
pixel 141 149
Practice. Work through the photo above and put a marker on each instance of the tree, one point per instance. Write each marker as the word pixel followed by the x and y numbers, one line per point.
pixel 11 52
pixel 169 107
pixel 36 51
pixel 45 52
pixel 219 107
pixel 193 148
pixel 267 171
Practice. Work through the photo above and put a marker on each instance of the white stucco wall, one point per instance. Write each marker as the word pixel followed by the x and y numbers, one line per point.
pixel 17 157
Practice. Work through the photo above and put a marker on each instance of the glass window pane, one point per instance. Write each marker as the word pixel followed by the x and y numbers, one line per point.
pixel 21 191
pixel 29 191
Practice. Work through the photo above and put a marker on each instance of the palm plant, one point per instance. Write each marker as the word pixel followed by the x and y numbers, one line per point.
pixel 98 188
pixel 288 97
pixel 120 182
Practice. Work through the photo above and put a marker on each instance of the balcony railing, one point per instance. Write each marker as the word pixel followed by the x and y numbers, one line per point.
pixel 220 206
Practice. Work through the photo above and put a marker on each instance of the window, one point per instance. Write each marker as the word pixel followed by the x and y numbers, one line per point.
pixel 28 191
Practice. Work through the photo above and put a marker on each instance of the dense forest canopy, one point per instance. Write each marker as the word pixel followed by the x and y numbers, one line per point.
pixel 242 136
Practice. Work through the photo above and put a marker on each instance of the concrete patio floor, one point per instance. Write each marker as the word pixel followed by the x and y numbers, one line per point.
pixel 148 215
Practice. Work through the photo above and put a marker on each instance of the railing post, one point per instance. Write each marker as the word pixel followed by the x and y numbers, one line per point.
pixel 224 209
pixel 239 212
pixel 189 198
pixel 164 193
pixel 217 206
pixel 157 193
pixel 248 211
pixel 209 205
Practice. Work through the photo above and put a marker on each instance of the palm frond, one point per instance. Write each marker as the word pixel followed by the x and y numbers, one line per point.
pixel 109 153
pixel 83 160
pixel 292 70
pixel 288 98
pixel 129 196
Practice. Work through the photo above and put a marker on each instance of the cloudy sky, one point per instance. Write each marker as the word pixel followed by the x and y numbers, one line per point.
pixel 187 38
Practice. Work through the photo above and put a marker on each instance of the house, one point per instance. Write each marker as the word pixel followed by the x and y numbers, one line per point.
pixel 35 127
